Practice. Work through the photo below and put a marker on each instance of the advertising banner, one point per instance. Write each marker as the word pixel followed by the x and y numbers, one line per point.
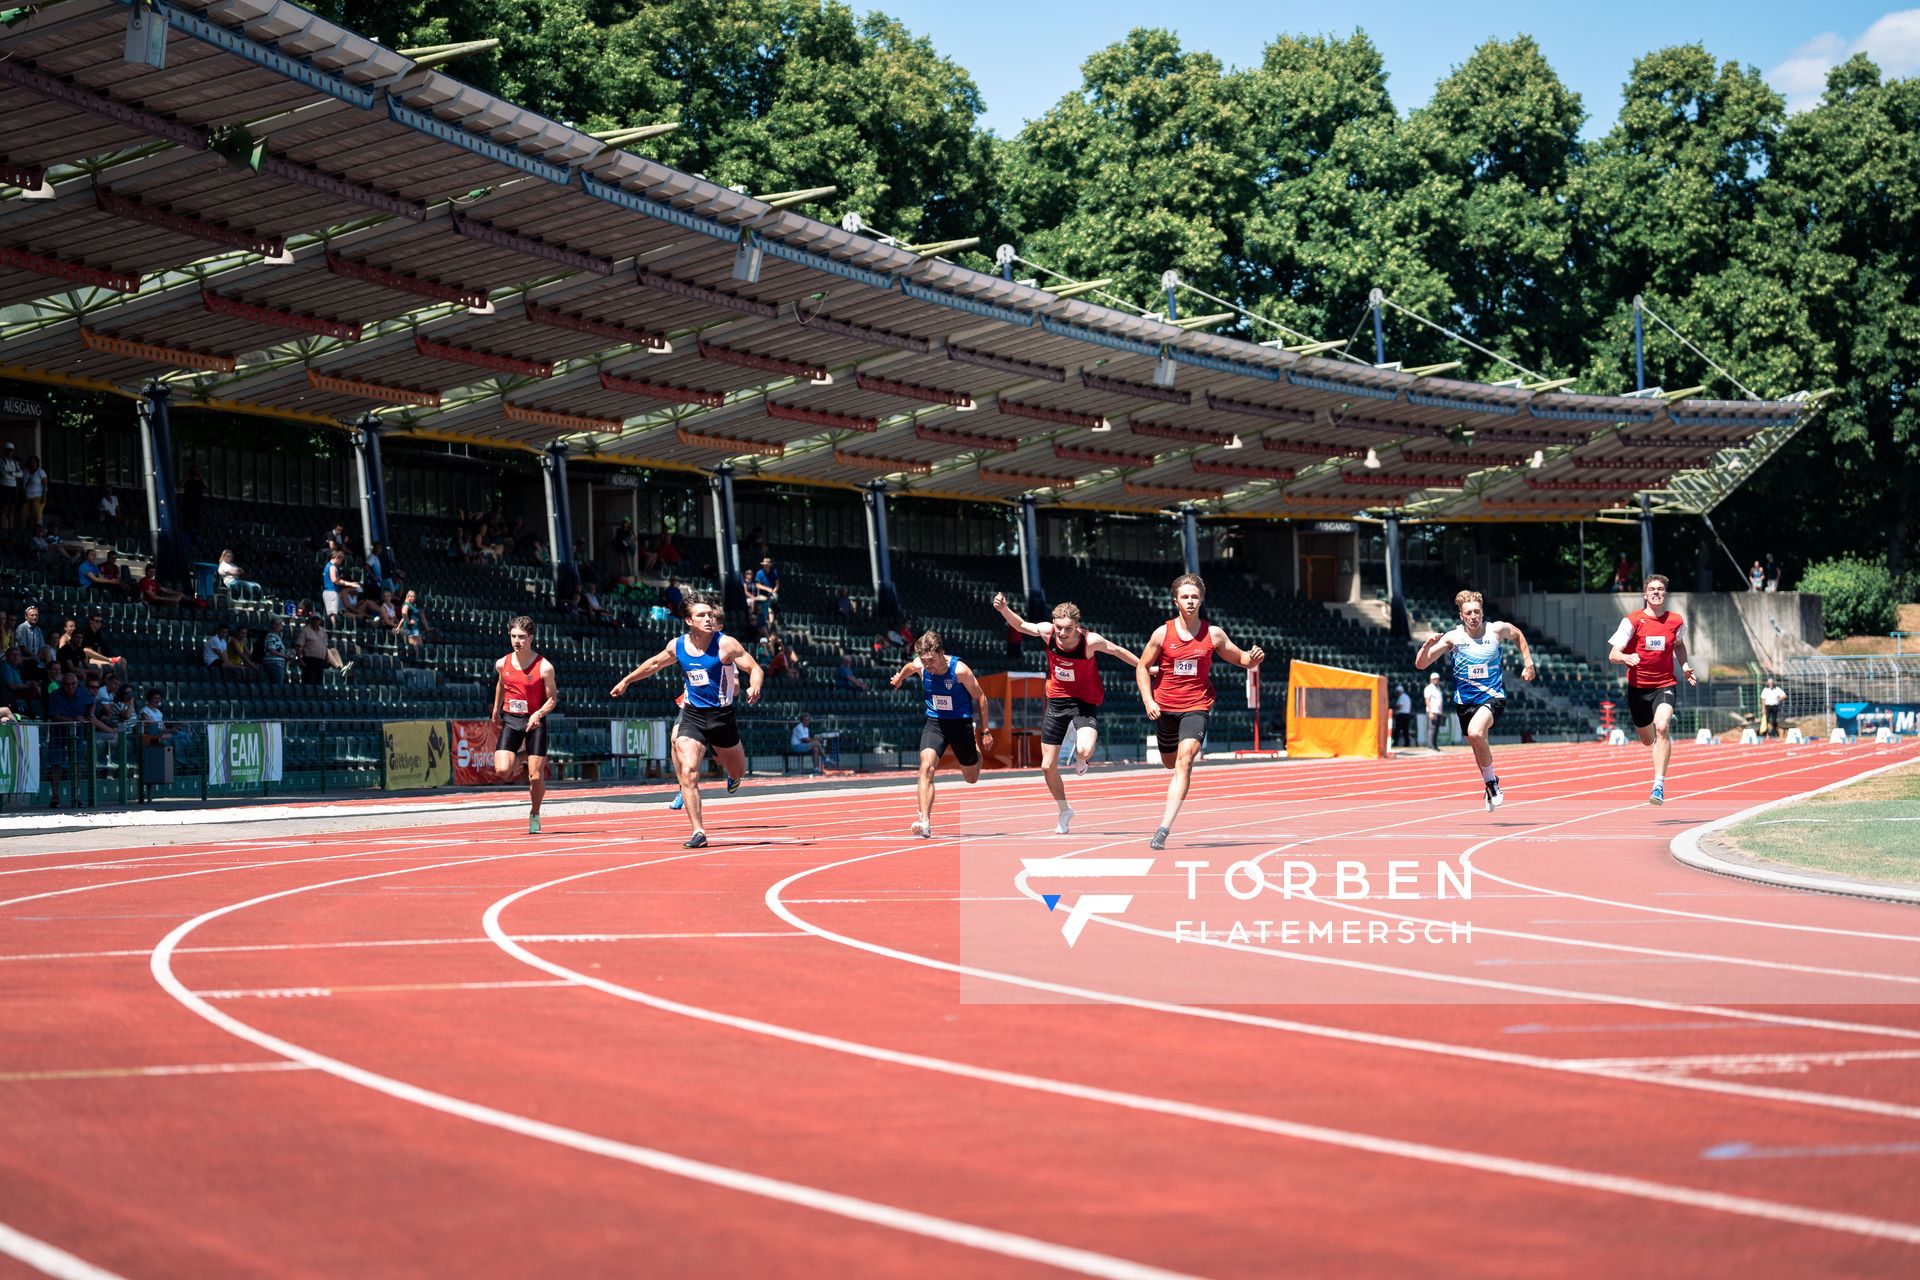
pixel 416 754
pixel 19 758
pixel 639 739
pixel 473 744
pixel 1864 719
pixel 244 754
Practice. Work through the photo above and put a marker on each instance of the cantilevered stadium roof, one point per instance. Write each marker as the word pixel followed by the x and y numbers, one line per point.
pixel 411 248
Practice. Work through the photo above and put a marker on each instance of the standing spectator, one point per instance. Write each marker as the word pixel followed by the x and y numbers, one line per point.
pixel 234 578
pixel 153 716
pixel 801 741
pixel 28 634
pixel 1773 699
pixel 33 491
pixel 153 595
pixel 623 549
pixel 333 581
pixel 110 510
pixel 766 591
pixel 213 650
pixel 1402 717
pixel 273 652
pixel 16 690
pixel 844 606
pixel 845 678
pixel 313 649
pixel 337 540
pixel 10 472
pixel 1772 573
pixel 1622 572
pixel 193 495
pixel 413 623
pixel 1756 577
pixel 1436 709
pixel 68 708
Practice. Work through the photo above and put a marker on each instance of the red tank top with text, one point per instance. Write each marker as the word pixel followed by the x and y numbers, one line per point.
pixel 1071 673
pixel 522 691
pixel 1186 669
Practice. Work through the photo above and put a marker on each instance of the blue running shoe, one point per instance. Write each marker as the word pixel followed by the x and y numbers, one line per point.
pixel 698 840
pixel 533 824
pixel 679 801
pixel 733 785
pixel 1659 795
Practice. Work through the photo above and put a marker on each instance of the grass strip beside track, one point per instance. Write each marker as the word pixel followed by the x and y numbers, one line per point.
pixel 1869 830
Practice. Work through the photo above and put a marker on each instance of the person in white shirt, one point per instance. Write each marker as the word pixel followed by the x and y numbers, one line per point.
pixel 10 473
pixel 214 652
pixel 1436 709
pixel 801 740
pixel 1402 717
pixel 1772 699
pixel 33 492
pixel 234 578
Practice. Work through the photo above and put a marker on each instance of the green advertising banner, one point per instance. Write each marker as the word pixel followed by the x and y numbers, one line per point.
pixel 639 739
pixel 244 754
pixel 19 758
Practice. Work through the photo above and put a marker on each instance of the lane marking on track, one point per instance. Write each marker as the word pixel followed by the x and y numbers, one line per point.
pixel 306 993
pixel 183 1069
pixel 1747 1151
pixel 49 1259
pixel 144 952
pixel 967 1235
pixel 1428 1153
pixel 1837 1058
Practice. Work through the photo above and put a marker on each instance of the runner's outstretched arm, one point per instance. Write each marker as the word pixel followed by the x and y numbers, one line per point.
pixel 898 677
pixel 1100 644
pixel 1434 648
pixel 658 662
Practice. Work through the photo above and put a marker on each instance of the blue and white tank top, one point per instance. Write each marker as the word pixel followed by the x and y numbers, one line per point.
pixel 947 698
pixel 1477 670
pixel 710 682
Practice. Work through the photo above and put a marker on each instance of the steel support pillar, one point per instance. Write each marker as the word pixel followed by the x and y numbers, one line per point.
pixel 1398 625
pixel 1030 558
pixel 566 573
pixel 156 445
pixel 726 549
pixel 1190 539
pixel 1646 537
pixel 886 600
pixel 372 486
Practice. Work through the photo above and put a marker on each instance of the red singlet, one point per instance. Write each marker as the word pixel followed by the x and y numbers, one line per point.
pixel 1072 675
pixel 1653 640
pixel 522 691
pixel 1186 669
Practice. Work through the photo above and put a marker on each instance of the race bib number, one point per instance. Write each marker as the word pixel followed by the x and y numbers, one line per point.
pixel 516 706
pixel 1063 674
pixel 697 677
pixel 1477 671
pixel 1654 644
pixel 1186 666
pixel 943 702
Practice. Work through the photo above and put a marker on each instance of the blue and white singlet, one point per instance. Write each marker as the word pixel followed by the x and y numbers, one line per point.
pixel 947 698
pixel 711 683
pixel 1477 670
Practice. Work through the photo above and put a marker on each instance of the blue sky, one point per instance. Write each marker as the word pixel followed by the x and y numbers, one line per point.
pixel 1025 56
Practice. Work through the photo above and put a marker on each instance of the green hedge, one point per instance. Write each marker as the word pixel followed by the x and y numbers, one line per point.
pixel 1859 597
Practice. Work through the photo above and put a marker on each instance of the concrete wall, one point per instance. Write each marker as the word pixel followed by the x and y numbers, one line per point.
pixel 1726 628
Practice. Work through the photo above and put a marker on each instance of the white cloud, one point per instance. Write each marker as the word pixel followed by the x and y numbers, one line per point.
pixel 1893 42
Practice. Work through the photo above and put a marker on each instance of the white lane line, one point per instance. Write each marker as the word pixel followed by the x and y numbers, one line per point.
pixel 181 1069
pixel 1427 1153
pixel 1836 1058
pixel 967 1235
pixel 49 1259
pixel 144 952
pixel 308 993
pixel 1838 1102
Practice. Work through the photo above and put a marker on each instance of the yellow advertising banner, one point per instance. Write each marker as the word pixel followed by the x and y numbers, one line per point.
pixel 415 754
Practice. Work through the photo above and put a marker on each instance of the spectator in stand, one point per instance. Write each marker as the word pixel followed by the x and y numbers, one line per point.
pixel 766 591
pixel 1773 702
pixel 110 510
pixel 89 574
pixel 1436 709
pixel 456 549
pixel 16 690
pixel 104 690
pixel 235 579
pixel 33 491
pixel 153 595
pixel 590 606
pixel 385 616
pixel 96 648
pixel 669 554
pixel 313 649
pixel 70 649
pixel 844 606
pixel 1772 573
pixel 10 472
pixel 113 714
pixel 649 554
pixel 213 650
pixel 802 742
pixel 193 493
pixel 1756 577
pixel 55 550
pixel 1622 572
pixel 68 708
pixel 845 678
pixel 153 716
pixel 273 653
pixel 623 549
pixel 337 540
pixel 28 634
pixel 1402 716
pixel 383 570
pixel 413 623
pixel 333 581
pixel 240 664
pixel 673 598
pixel 113 579
pixel 482 550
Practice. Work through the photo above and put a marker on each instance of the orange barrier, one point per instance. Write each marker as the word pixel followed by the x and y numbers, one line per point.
pixel 1335 712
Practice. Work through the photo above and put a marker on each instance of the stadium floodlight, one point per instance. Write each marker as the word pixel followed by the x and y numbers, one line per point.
pixel 747 262
pixel 1373 460
pixel 1165 370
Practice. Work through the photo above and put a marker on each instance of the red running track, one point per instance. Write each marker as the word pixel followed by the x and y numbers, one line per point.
pixel 460 1051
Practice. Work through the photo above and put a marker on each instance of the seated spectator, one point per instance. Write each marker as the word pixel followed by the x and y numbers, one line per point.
pixel 456 548
pixel 235 579
pixel 801 741
pixel 239 661
pixel 108 688
pixel 50 547
pixel 70 649
pixel 98 650
pixel 68 708
pixel 16 690
pixel 844 605
pixel 154 595
pixel 272 653
pixel 845 678
pixel 314 650
pixel 113 578
pixel 376 568
pixel 673 598
pixel 590 605
pixel 649 554
pixel 669 554
pixel 213 652
pixel 153 717
pixel 28 634
pixel 384 615
pixel 114 715
pixel 784 662
pixel 110 510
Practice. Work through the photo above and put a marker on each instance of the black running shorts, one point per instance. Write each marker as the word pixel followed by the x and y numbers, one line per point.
pixel 1641 702
pixel 940 734
pixel 517 738
pixel 1065 716
pixel 715 727
pixel 1176 727
pixel 1464 712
